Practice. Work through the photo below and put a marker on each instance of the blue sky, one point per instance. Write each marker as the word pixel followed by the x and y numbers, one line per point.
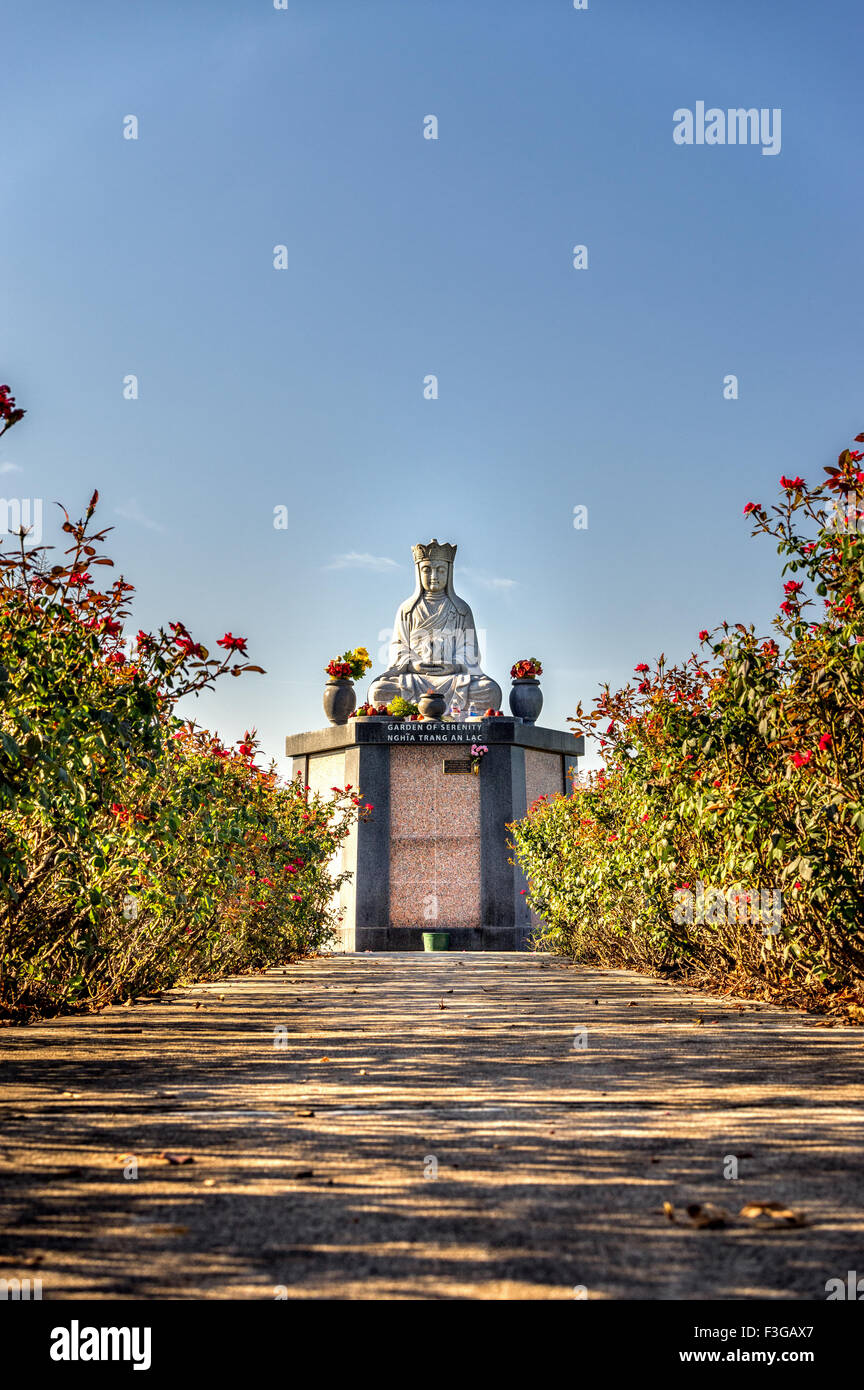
pixel 303 387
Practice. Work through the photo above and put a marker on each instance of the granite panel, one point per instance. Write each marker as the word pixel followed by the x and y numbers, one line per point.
pixel 434 841
pixel 327 770
pixel 544 774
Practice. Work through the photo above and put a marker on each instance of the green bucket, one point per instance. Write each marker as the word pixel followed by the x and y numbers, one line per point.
pixel 436 941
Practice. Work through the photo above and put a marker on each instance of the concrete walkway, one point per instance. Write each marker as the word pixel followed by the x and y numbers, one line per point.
pixel 314 1163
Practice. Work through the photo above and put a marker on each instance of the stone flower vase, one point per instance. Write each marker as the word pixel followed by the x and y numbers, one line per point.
pixel 432 705
pixel 340 701
pixel 526 699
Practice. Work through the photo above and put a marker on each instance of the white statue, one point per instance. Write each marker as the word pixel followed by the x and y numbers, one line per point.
pixel 434 646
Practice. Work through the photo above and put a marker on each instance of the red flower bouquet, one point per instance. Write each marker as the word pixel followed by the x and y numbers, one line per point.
pixel 528 669
pixel 350 666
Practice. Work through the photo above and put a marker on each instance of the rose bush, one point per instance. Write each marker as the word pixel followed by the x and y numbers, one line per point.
pixel 739 769
pixel 135 850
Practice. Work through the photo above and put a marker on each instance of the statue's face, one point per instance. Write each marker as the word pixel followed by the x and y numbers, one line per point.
pixel 433 576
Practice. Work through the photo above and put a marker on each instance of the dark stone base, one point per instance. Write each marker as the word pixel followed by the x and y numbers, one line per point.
pixel 461 938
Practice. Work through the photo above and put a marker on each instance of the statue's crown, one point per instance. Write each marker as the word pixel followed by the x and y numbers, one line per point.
pixel 434 551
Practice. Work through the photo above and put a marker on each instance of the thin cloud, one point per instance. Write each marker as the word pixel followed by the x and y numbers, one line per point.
pixel 11 468
pixel 131 511
pixel 489 581
pixel 354 560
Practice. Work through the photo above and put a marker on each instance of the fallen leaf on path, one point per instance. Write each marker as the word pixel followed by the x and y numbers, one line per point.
pixel 699 1215
pixel 304 1113
pixel 771 1215
pixel 177 1158
pixel 72 1095
pixel 323 1059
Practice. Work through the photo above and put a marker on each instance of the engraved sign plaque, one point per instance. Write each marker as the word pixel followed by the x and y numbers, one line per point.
pixel 456 765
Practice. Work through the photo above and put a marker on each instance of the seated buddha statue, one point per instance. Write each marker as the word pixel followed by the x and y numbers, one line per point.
pixel 434 644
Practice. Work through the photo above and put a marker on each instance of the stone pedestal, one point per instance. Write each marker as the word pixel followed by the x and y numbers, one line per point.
pixel 433 856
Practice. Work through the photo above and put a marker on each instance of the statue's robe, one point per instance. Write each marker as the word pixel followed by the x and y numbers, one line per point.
pixel 436 630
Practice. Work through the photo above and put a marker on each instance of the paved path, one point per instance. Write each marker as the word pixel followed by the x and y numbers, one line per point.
pixel 312 1163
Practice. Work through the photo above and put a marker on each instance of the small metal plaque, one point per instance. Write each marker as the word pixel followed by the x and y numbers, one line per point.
pixel 455 765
